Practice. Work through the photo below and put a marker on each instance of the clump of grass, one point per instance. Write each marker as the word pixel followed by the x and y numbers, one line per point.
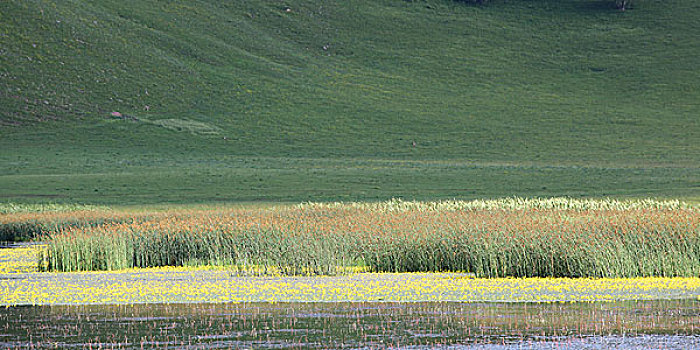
pixel 32 225
pixel 24 222
pixel 521 241
pixel 37 224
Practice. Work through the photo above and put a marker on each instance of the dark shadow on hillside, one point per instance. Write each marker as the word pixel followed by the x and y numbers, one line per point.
pixel 600 5
pixel 473 2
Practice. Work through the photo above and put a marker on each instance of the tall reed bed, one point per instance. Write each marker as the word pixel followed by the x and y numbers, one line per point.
pixel 252 242
pixel 524 241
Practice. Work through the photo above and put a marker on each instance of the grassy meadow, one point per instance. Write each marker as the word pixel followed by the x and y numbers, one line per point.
pixel 346 100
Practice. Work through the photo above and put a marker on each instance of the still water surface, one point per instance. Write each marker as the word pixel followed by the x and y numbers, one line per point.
pixel 670 324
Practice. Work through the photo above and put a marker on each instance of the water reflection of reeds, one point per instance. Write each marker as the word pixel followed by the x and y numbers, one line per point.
pixel 671 324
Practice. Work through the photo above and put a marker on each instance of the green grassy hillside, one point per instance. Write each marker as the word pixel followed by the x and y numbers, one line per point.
pixel 354 99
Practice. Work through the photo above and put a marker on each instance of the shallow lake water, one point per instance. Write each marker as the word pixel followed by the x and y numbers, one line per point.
pixel 669 324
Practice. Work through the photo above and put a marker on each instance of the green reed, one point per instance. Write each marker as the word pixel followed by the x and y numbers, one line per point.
pixel 530 242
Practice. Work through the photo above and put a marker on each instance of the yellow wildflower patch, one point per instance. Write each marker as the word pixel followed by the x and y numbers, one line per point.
pixel 18 260
pixel 20 284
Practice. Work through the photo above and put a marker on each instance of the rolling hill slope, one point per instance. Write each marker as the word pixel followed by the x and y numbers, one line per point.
pixel 273 100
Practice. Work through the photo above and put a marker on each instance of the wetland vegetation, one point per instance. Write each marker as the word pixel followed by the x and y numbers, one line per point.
pixel 502 238
pixel 457 249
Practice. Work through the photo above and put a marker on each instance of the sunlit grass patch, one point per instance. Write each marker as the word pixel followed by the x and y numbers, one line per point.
pixel 15 208
pixel 185 125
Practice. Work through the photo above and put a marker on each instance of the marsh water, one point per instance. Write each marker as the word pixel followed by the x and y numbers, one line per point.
pixel 670 324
